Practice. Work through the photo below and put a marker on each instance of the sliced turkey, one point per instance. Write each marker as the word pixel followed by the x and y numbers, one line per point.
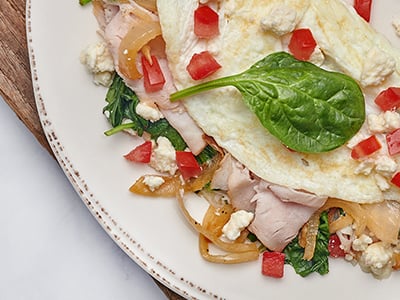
pixel 279 216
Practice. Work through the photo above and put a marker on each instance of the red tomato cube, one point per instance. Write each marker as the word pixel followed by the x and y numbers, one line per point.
pixel 396 179
pixel 202 65
pixel 141 153
pixel 152 74
pixel 389 99
pixel 187 164
pixel 273 264
pixel 334 246
pixel 206 22
pixel 366 147
pixel 363 8
pixel 393 142
pixel 302 44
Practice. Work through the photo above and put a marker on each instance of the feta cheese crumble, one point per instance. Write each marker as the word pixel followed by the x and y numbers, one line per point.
pixel 385 166
pixel 378 65
pixel 163 157
pixel 382 182
pixel 148 112
pixel 280 20
pixel 237 222
pixel 384 122
pixel 98 60
pixel 153 182
pixel 377 259
pixel 361 243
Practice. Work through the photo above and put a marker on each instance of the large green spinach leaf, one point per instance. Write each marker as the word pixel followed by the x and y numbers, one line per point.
pixel 306 107
pixel 319 263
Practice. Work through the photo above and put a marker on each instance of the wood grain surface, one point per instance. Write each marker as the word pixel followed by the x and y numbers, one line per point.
pixel 15 78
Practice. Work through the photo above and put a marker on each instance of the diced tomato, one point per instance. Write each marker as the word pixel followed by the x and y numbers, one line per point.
pixel 389 99
pixel 202 65
pixel 206 22
pixel 396 179
pixel 393 142
pixel 366 147
pixel 273 264
pixel 302 44
pixel 334 246
pixel 363 8
pixel 187 164
pixel 141 153
pixel 153 76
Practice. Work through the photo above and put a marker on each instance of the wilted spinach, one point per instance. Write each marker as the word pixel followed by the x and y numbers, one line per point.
pixel 319 263
pixel 121 113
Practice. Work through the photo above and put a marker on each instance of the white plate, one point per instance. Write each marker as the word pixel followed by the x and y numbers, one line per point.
pixel 152 231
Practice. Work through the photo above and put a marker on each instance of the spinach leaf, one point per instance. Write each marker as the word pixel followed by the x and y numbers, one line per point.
pixel 307 108
pixel 121 113
pixel 121 105
pixel 206 155
pixel 163 128
pixel 319 263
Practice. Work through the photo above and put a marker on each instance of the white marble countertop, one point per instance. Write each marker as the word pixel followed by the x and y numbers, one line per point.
pixel 51 246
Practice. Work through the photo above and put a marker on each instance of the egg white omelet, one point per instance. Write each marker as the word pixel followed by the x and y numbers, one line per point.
pixel 249 31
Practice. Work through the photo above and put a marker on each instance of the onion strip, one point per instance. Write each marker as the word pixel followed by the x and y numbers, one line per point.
pixel 148 4
pixel 311 236
pixel 340 223
pixel 228 247
pixel 213 221
pixel 138 36
pixel 172 184
pixel 229 258
pixel 353 209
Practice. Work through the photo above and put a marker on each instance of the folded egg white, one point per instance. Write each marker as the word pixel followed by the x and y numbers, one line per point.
pixel 247 34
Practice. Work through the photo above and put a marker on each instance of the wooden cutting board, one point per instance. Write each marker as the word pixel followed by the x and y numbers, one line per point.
pixel 15 77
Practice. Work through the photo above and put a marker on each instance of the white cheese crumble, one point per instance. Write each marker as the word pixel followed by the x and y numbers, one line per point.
pixel 153 182
pixel 361 243
pixel 377 259
pixel 237 222
pixel 163 156
pixel 384 122
pixel 346 237
pixel 365 167
pixel 98 60
pixel 148 112
pixel 280 20
pixel 385 165
pixel 382 182
pixel 377 66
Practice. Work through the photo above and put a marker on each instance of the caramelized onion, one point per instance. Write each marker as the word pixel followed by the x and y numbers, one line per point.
pixel 353 209
pixel 213 221
pixel 147 4
pixel 169 188
pixel 225 246
pixel 340 223
pixel 311 236
pixel 215 218
pixel 228 258
pixel 383 219
pixel 138 36
pixel 172 184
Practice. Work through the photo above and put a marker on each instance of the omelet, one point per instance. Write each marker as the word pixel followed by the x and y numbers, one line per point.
pixel 252 29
